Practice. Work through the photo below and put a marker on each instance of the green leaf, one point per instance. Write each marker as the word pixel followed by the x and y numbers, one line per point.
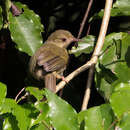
pixel 7 125
pixel 39 127
pixel 85 46
pixel 59 108
pixel 43 115
pixel 96 118
pixel 120 8
pixel 43 108
pixel 123 6
pixel 26 30
pixel 40 119
pixel 7 106
pixel 36 92
pixel 6 4
pixel 124 123
pixel 30 113
pixel 21 114
pixel 9 122
pixel 113 64
pixel 3 91
pixel 1 18
pixel 122 86
pixel 120 99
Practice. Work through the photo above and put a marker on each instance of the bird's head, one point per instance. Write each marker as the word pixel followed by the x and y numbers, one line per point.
pixel 61 38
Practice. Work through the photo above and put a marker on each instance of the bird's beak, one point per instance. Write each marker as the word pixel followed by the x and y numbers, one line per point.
pixel 76 40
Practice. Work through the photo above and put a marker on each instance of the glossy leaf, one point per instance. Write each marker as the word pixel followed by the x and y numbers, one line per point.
pixel 123 6
pixel 9 122
pixel 39 127
pixel 59 108
pixel 124 123
pixel 120 99
pixel 26 30
pixel 42 107
pixel 112 69
pixel 7 125
pixel 96 118
pixel 120 8
pixel 21 114
pixel 36 92
pixel 43 115
pixel 122 86
pixel 86 46
pixel 3 91
pixel 7 106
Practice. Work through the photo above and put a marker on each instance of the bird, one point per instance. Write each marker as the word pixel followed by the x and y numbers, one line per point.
pixel 51 59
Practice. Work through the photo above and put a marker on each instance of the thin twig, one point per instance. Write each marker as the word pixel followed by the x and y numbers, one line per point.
pixel 88 89
pixel 23 97
pixel 113 123
pixel 97 49
pixel 85 18
pixel 88 31
pixel 19 93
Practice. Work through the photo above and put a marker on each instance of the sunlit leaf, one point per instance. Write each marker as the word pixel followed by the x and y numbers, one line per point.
pixel 124 123
pixel 121 97
pixel 43 115
pixel 86 46
pixel 26 30
pixel 99 118
pixel 3 91
pixel 60 108
pixel 36 92
pixel 111 69
pixel 21 114
pixel 9 122
pixel 120 8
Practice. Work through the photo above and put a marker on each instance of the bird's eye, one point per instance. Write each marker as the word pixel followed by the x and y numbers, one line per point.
pixel 64 39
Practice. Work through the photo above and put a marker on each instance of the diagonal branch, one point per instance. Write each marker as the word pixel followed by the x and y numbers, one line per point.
pixel 97 49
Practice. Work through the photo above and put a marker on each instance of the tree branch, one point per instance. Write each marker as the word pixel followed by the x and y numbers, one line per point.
pixel 85 18
pixel 88 88
pixel 76 72
pixel 97 49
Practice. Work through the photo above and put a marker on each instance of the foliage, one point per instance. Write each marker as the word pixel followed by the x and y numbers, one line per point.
pixel 26 30
pixel 45 110
pixel 120 8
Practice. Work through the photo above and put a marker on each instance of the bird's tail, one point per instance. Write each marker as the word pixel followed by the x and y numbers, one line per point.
pixel 50 82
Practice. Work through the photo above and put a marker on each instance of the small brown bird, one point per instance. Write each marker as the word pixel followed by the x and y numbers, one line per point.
pixel 51 58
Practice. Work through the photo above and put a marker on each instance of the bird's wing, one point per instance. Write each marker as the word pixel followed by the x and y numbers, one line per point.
pixel 50 61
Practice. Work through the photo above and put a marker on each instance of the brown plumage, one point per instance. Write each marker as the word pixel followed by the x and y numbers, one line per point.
pixel 51 57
